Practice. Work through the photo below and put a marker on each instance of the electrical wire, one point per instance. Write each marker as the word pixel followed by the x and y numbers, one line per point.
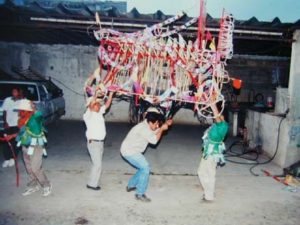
pixel 70 89
pixel 77 93
pixel 245 151
pixel 276 150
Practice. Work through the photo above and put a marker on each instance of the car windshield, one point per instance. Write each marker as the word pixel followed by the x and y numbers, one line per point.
pixel 29 90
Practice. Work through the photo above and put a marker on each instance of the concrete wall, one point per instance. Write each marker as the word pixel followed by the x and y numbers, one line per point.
pixel 294 82
pixel 263 129
pixel 282 100
pixel 260 74
pixel 69 66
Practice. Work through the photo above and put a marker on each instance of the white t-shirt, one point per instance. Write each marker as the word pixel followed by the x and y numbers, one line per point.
pixel 95 124
pixel 138 138
pixel 12 114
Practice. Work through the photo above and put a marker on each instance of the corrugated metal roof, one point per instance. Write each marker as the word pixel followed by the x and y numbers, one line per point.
pixel 51 22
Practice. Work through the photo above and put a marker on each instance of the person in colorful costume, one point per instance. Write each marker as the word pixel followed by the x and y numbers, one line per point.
pixel 32 139
pixel 212 156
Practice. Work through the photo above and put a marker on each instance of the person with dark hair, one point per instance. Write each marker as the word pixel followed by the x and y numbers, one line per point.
pixel 10 118
pixel 148 131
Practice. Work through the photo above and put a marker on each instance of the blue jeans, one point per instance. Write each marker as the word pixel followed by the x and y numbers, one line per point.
pixel 140 180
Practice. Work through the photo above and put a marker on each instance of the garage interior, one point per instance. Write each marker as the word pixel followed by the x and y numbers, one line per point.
pixel 55 41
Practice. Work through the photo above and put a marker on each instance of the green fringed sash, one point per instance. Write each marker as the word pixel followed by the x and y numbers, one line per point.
pixel 213 144
pixel 32 134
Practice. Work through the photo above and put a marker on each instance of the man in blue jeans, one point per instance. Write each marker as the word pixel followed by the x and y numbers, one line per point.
pixel 135 143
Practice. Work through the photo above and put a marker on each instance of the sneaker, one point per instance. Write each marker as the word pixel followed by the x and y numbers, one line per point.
pixel 47 190
pixel 129 189
pixel 5 163
pixel 11 162
pixel 93 188
pixel 30 190
pixel 206 200
pixel 142 198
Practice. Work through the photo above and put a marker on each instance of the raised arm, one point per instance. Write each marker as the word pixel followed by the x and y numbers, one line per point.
pixel 109 100
pixel 217 115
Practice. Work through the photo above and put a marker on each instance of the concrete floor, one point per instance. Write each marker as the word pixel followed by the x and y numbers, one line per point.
pixel 241 198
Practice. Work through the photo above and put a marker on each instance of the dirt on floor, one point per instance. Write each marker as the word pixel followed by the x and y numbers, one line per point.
pixel 174 188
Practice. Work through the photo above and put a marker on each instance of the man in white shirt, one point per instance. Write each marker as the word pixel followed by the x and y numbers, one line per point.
pixel 95 134
pixel 10 118
pixel 135 143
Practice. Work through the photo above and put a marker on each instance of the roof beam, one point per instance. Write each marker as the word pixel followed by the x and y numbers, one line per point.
pixel 143 26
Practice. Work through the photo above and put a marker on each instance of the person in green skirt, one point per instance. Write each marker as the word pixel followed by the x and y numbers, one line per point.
pixel 32 140
pixel 212 155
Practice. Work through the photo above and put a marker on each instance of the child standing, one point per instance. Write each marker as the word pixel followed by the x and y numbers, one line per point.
pixel 213 148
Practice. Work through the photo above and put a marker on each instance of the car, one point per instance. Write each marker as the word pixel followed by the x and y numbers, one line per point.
pixel 47 97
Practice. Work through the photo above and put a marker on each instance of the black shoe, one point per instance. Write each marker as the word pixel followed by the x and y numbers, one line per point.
pixel 205 200
pixel 93 188
pixel 142 198
pixel 129 189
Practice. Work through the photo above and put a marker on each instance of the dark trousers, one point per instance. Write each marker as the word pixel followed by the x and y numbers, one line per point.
pixel 10 148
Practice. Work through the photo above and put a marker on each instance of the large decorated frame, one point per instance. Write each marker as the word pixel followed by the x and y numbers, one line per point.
pixel 157 66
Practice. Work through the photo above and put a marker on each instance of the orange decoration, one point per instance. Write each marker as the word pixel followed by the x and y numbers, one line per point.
pixel 237 84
